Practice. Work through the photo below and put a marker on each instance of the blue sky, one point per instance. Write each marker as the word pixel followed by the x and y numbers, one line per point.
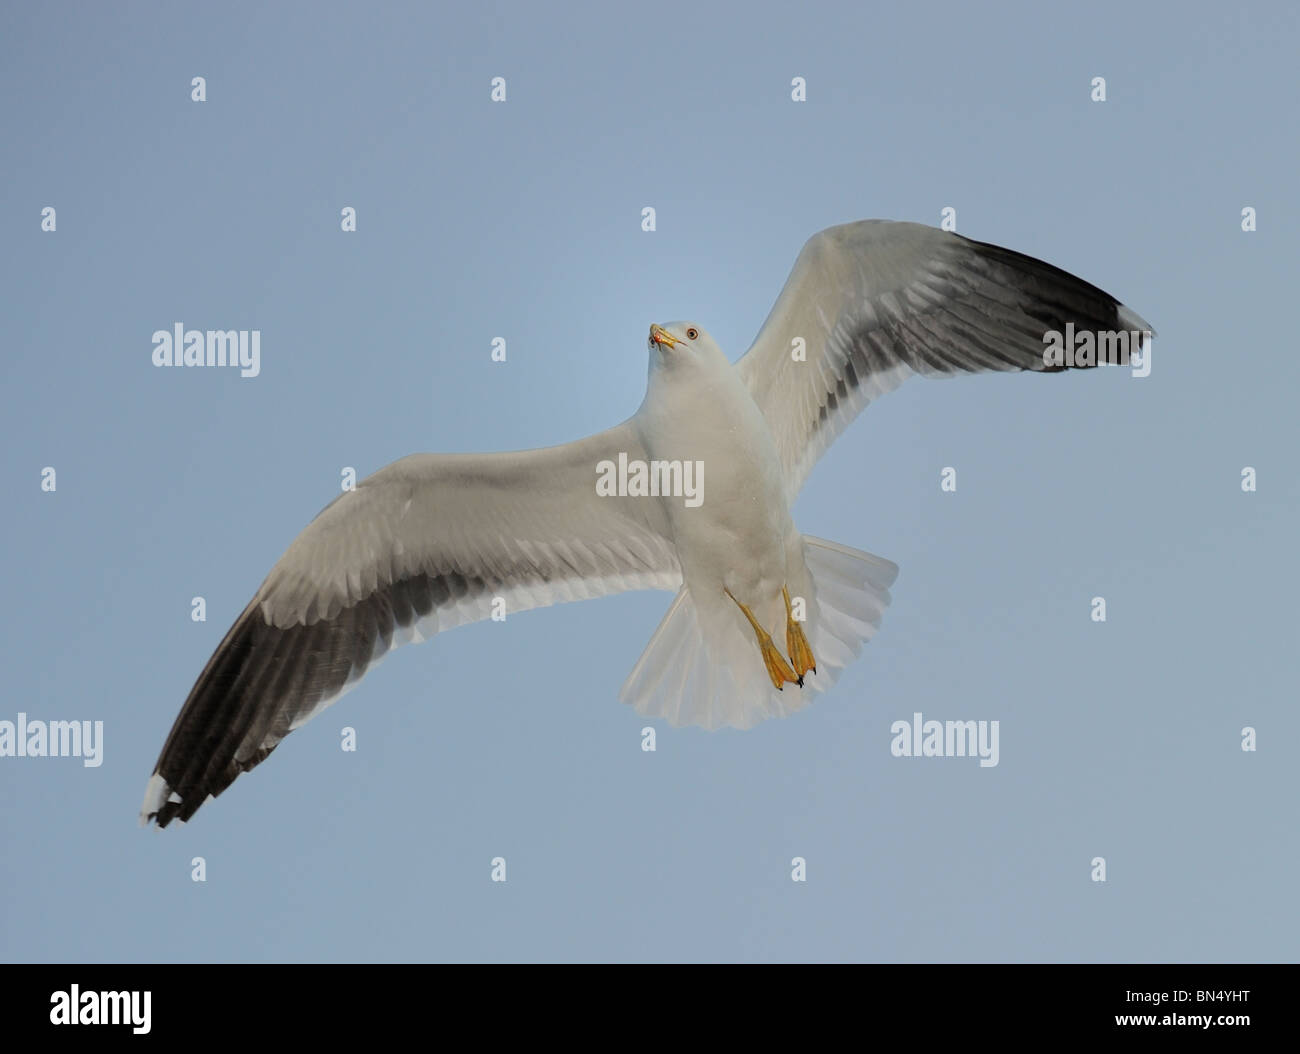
pixel 522 220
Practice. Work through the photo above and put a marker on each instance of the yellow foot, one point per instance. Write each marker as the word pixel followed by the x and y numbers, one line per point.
pixel 801 656
pixel 777 668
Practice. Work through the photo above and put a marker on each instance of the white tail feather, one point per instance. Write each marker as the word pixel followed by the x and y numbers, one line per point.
pixel 690 675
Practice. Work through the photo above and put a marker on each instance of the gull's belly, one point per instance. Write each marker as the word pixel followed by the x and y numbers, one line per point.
pixel 736 537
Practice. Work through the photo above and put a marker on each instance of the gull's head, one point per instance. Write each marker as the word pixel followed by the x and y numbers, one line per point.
pixel 683 342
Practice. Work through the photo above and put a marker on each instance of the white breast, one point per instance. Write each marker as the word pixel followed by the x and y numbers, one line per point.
pixel 735 536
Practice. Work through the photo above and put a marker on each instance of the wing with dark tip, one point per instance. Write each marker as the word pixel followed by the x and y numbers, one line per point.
pixel 419 547
pixel 877 302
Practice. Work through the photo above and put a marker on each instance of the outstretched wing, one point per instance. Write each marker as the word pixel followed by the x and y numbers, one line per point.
pixel 876 302
pixel 419 547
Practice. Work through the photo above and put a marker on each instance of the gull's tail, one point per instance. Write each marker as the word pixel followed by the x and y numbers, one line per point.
pixel 704 668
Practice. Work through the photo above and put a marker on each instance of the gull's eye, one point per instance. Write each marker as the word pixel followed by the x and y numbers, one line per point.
pixel 692 333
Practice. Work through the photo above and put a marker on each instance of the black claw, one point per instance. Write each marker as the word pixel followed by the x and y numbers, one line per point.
pixel 800 682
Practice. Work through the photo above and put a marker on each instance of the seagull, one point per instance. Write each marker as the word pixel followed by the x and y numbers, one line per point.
pixel 692 495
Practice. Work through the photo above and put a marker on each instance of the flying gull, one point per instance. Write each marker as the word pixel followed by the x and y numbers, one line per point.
pixel 691 494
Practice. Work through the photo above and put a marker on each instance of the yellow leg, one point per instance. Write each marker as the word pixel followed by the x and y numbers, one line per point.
pixel 801 656
pixel 777 668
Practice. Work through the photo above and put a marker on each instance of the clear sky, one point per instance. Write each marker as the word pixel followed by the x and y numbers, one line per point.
pixel 522 220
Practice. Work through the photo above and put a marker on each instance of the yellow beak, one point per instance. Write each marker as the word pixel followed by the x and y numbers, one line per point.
pixel 661 336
